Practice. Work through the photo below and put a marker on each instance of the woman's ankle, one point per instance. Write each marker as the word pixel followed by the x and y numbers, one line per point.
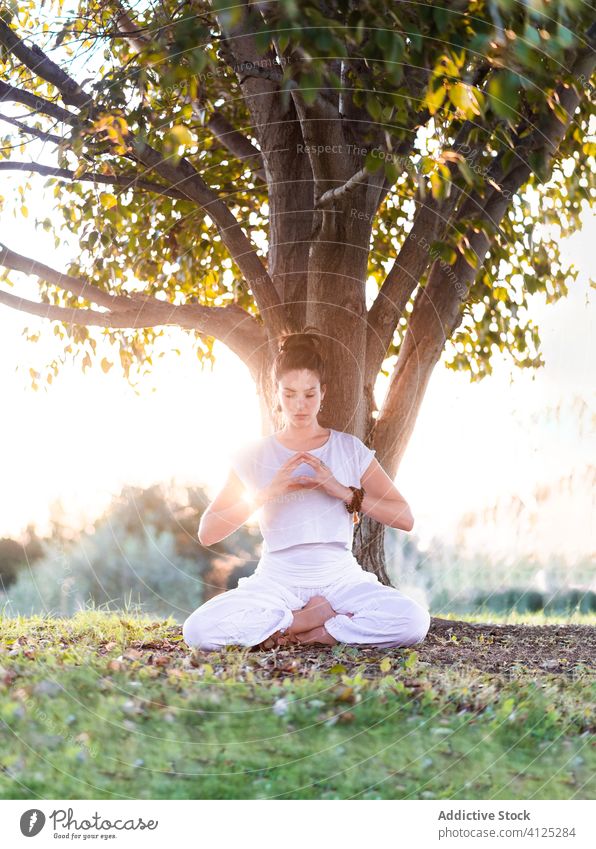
pixel 314 614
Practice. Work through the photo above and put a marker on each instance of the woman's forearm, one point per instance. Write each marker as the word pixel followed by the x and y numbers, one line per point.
pixel 395 513
pixel 215 526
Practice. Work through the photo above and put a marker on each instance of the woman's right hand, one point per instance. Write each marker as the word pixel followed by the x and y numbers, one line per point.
pixel 282 483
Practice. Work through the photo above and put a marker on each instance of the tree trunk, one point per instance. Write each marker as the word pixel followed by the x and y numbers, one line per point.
pixel 348 403
pixel 369 547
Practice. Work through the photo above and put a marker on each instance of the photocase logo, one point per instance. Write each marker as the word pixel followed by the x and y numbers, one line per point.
pixel 32 822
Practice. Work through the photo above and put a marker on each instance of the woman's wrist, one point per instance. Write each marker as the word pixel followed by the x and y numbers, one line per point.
pixel 345 493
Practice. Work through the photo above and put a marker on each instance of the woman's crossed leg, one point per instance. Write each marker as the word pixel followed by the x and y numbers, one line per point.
pixel 261 612
pixel 247 615
pixel 383 616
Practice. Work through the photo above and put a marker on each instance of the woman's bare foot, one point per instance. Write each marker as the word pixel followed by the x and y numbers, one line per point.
pixel 271 642
pixel 302 631
pixel 315 612
pixel 318 636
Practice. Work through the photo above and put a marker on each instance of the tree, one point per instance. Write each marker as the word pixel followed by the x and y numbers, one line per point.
pixel 253 166
pixel 17 554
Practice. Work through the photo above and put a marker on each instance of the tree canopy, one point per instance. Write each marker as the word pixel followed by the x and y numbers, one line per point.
pixel 399 174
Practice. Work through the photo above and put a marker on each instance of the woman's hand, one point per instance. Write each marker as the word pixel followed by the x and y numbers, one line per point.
pixel 283 482
pixel 322 479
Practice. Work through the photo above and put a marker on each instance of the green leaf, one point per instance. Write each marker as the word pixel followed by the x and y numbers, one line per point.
pixel 503 95
pixel 392 172
pixel 310 84
pixel 373 162
pixel 558 109
pixel 469 255
pixel 411 659
pixel 466 171
pixel 537 162
pixel 373 106
pixel 445 251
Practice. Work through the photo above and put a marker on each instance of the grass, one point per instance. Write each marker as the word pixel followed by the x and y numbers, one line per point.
pixel 514 617
pixel 108 705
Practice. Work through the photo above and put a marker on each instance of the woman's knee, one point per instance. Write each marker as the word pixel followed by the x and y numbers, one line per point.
pixel 418 622
pixel 409 621
pixel 233 618
pixel 197 633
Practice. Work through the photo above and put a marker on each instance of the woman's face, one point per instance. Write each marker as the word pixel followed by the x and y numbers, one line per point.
pixel 300 395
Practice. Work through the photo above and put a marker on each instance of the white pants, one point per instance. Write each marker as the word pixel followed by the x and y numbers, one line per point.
pixel 262 604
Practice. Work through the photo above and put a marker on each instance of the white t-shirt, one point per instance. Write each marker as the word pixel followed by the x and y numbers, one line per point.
pixel 304 516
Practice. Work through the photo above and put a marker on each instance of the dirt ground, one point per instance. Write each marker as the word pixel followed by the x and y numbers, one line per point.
pixel 497 648
pixel 500 649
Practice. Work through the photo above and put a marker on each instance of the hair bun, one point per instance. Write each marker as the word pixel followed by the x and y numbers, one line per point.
pixel 308 337
pixel 300 350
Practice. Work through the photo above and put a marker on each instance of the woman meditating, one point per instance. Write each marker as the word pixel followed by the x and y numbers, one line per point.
pixel 308 483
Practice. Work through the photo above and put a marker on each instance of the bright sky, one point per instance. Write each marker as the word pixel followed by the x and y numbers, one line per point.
pixel 84 436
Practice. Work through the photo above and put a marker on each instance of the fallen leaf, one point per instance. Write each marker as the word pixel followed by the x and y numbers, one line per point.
pixel 348 716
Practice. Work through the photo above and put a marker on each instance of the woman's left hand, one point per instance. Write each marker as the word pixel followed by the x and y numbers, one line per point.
pixel 322 478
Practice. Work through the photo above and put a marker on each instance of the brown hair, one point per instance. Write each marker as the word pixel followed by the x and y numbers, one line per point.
pixel 302 350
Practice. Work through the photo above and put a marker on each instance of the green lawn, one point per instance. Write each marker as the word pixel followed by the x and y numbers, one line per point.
pixel 107 706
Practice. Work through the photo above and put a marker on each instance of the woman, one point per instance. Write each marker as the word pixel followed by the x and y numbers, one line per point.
pixel 308 483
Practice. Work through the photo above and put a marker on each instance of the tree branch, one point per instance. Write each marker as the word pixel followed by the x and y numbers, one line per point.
pixel 36 60
pixel 77 285
pixel 37 103
pixel 132 33
pixel 32 131
pixel 231 324
pixel 402 279
pixel 430 223
pixel 232 234
pixel 122 181
pixel 332 195
pixel 72 315
pixel 437 307
pixel 183 176
pixel 221 128
pixel 237 144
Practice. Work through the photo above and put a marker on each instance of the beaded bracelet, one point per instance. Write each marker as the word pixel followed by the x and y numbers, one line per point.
pixel 356 502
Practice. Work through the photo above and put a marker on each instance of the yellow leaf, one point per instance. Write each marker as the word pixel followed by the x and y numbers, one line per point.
pixel 466 98
pixel 181 135
pixel 439 187
pixel 435 96
pixel 385 664
pixel 108 200
pixel 106 365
